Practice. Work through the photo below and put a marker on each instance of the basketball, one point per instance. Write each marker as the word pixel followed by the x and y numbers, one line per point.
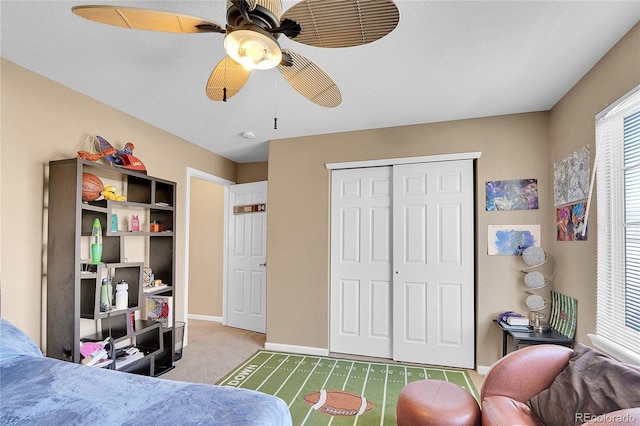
pixel 91 187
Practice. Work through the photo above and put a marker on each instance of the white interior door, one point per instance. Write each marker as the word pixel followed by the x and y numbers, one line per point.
pixel 361 262
pixel 433 289
pixel 247 273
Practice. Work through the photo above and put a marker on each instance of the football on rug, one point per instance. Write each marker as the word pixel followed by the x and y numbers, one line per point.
pixel 338 403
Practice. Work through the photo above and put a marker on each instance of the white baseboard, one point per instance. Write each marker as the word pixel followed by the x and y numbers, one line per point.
pixel 306 350
pixel 482 370
pixel 204 318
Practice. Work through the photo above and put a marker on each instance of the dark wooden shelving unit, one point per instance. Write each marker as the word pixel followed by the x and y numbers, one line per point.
pixel 74 285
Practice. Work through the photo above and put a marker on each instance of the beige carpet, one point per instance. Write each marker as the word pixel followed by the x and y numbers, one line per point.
pixel 214 350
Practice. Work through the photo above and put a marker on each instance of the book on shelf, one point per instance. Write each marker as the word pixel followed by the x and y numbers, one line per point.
pixel 97 358
pixel 128 356
pixel 103 363
pixel 513 320
pixel 510 327
pixel 160 309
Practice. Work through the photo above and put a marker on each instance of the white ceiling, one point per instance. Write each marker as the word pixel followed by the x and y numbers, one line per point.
pixel 446 60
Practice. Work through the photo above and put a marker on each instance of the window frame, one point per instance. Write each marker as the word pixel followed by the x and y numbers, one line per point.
pixel 611 253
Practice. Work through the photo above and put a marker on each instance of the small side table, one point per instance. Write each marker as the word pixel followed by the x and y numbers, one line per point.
pixel 532 338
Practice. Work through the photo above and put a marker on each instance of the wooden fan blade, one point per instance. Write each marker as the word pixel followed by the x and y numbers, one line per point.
pixel 310 81
pixel 146 19
pixel 229 75
pixel 340 23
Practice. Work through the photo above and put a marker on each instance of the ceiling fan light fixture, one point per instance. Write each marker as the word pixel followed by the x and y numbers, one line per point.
pixel 253 49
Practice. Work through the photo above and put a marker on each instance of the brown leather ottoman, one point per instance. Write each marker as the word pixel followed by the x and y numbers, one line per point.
pixel 435 402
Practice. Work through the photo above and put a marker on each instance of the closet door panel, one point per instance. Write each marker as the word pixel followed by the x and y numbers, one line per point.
pixel 433 280
pixel 361 304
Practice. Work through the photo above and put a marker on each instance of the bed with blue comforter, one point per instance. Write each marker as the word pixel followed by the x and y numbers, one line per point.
pixel 35 390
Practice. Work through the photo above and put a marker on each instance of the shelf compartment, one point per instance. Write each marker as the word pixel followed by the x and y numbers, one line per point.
pixel 161 258
pixel 164 218
pixel 139 189
pixel 110 242
pixel 164 193
pixel 146 213
pixel 117 326
pixel 146 336
pixel 89 296
pixel 132 274
pixel 91 286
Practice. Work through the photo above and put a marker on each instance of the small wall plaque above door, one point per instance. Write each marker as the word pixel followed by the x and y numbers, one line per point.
pixel 250 208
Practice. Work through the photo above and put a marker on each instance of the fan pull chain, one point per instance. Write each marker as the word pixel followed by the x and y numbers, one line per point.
pixel 224 88
pixel 275 105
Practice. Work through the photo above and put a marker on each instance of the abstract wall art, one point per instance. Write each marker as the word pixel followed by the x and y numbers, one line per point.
pixel 511 240
pixel 519 194
pixel 570 222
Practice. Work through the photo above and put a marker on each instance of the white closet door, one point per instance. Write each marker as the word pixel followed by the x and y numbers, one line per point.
pixel 433 271
pixel 361 262
pixel 402 263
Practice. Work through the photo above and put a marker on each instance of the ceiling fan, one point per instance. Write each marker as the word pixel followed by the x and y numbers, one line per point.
pixel 252 32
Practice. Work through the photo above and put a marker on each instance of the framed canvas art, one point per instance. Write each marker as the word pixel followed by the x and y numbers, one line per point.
pixel 511 240
pixel 570 224
pixel 520 194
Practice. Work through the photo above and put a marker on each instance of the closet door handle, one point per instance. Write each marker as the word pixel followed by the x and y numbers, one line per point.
pixel 262 264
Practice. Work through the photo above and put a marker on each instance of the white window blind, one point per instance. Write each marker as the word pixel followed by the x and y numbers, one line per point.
pixel 632 218
pixel 618 192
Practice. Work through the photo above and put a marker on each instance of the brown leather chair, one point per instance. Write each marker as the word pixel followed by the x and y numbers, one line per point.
pixel 510 383
pixel 522 374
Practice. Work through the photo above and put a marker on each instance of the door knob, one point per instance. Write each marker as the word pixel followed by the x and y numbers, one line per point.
pixel 262 264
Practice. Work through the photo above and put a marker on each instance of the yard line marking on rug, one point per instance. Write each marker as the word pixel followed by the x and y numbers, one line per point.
pixel 304 383
pixel 287 379
pixel 406 375
pixel 344 384
pixel 241 378
pixel 296 383
pixel 274 371
pixel 468 387
pixel 364 401
pixel 471 389
pixel 384 394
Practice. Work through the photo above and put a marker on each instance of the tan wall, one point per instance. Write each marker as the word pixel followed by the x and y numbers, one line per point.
pixel 43 121
pixel 572 126
pixel 513 147
pixel 252 172
pixel 206 246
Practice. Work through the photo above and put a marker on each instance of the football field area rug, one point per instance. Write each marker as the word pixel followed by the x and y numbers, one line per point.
pixel 336 391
